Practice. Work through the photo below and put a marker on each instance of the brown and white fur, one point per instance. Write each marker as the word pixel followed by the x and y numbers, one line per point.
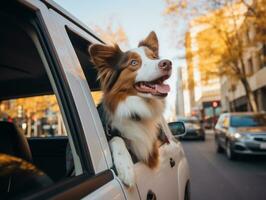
pixel 133 85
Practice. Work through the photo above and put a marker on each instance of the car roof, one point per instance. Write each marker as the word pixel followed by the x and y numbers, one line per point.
pixel 70 17
pixel 19 75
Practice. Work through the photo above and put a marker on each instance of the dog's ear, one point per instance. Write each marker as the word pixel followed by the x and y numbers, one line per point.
pixel 103 56
pixel 106 60
pixel 151 41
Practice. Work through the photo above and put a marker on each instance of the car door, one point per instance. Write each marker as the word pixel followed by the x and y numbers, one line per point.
pixel 92 177
pixel 219 130
pixel 222 129
pixel 169 179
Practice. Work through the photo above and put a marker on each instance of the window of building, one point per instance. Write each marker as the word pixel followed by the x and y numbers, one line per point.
pixel 263 55
pixel 258 61
pixel 250 66
pixel 264 49
pixel 247 36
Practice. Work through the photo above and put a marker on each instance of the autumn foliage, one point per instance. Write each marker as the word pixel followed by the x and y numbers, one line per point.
pixel 226 29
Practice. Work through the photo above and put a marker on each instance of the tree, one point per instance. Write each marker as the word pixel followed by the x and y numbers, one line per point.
pixel 220 43
pixel 113 33
pixel 32 106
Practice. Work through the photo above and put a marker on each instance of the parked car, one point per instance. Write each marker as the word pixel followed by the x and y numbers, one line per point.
pixel 194 128
pixel 44 51
pixel 241 133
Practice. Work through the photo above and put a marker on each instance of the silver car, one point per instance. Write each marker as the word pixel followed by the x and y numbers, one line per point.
pixel 241 133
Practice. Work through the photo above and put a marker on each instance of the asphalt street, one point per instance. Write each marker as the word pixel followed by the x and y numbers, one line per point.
pixel 214 177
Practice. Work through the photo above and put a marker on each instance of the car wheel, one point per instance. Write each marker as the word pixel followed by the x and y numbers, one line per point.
pixel 202 138
pixel 219 149
pixel 231 155
pixel 187 192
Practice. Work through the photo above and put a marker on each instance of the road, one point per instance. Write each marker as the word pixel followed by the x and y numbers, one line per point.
pixel 214 177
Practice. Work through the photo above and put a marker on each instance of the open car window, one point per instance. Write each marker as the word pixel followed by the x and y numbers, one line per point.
pixel 80 46
pixel 34 127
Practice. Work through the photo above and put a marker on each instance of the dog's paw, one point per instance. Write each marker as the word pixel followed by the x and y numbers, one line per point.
pixel 122 161
pixel 126 174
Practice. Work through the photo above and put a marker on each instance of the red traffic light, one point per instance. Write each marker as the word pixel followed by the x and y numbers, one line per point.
pixel 214 104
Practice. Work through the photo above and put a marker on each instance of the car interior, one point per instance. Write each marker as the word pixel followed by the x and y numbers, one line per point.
pixel 23 75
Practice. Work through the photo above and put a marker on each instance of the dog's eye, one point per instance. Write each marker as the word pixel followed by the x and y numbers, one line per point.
pixel 133 62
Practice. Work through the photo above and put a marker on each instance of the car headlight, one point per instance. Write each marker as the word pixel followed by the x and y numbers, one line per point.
pixel 241 136
pixel 237 135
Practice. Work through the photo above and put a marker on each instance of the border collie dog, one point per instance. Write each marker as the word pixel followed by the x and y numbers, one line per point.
pixel 133 100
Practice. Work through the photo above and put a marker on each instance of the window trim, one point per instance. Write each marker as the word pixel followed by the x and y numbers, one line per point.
pixel 86 183
pixel 73 188
pixel 66 98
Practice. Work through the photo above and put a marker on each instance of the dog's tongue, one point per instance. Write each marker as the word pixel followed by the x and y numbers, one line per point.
pixel 162 88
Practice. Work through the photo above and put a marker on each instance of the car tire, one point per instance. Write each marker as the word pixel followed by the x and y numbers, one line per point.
pixel 187 192
pixel 230 154
pixel 219 149
pixel 202 138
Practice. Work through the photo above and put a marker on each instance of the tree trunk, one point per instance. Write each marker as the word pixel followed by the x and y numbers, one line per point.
pixel 250 95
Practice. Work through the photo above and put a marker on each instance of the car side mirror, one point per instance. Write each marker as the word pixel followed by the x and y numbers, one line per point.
pixel 177 128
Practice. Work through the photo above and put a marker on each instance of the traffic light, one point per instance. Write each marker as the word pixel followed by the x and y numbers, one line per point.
pixel 214 104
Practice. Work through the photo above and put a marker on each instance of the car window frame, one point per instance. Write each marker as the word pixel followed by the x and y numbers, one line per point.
pixel 66 25
pixel 69 112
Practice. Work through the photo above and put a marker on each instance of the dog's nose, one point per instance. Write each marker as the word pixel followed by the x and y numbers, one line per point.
pixel 165 65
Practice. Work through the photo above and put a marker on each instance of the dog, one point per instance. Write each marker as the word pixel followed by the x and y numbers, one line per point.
pixel 133 101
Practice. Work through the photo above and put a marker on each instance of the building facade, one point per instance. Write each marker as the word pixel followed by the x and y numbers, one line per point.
pixel 202 92
pixel 253 39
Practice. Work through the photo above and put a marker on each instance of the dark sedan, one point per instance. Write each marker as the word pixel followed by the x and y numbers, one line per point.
pixel 194 129
pixel 241 133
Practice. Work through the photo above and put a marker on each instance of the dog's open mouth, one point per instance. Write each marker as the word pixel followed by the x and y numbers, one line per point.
pixel 156 87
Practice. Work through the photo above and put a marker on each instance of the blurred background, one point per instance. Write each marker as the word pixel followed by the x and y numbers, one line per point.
pixel 218 86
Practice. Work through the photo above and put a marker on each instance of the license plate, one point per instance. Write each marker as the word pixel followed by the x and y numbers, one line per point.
pixel 263 145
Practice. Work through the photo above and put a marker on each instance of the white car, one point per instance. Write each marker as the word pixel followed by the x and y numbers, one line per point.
pixel 43 51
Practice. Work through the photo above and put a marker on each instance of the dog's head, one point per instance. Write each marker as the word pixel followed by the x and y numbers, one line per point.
pixel 139 71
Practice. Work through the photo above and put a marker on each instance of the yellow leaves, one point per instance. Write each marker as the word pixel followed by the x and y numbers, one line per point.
pixel 173 6
pixel 113 34
pixel 217 38
pixel 97 97
pixel 32 106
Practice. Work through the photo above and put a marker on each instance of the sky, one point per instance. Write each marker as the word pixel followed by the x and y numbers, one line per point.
pixel 138 18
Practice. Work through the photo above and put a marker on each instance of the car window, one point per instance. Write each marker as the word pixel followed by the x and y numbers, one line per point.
pixel 248 120
pixel 31 106
pixel 80 46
